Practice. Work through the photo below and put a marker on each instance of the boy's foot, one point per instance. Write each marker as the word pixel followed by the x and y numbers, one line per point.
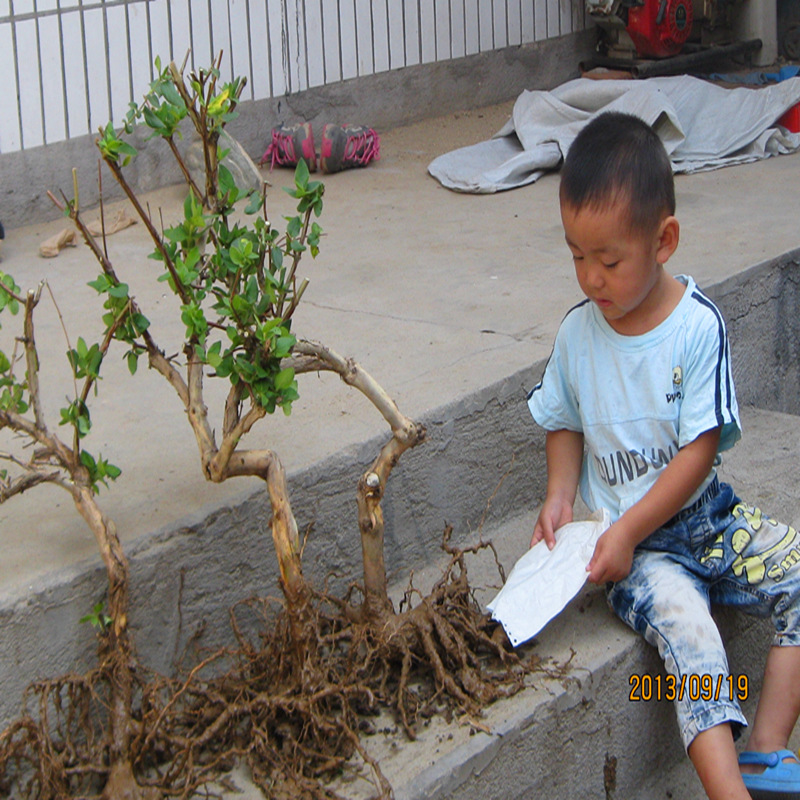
pixel 780 779
pixel 289 144
pixel 346 146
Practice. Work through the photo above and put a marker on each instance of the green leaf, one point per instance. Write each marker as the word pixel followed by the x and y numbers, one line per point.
pixel 213 356
pixel 227 184
pixel 119 291
pixel 171 94
pixel 102 284
pixel 133 362
pixel 97 617
pixel 255 204
pixel 283 346
pixel 284 379
pixel 301 174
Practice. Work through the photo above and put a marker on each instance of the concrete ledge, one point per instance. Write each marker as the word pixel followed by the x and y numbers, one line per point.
pixel 581 735
pixel 387 99
pixel 184 578
pixel 558 736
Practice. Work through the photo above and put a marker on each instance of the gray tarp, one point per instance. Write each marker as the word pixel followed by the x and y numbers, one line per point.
pixel 703 126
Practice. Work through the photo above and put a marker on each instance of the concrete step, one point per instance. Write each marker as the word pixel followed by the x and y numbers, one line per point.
pixel 579 735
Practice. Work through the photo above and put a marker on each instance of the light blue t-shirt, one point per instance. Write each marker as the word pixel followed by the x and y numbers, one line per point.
pixel 638 399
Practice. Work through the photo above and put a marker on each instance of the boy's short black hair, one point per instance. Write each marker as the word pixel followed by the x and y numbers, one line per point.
pixel 619 156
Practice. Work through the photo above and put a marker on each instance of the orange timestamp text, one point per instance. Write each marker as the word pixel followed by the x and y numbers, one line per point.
pixel 646 687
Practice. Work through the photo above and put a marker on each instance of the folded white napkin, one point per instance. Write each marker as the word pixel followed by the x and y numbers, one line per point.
pixel 543 581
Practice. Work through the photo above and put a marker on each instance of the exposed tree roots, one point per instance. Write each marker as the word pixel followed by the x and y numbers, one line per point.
pixel 295 710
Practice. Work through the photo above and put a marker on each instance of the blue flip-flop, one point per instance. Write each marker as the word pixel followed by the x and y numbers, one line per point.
pixel 780 779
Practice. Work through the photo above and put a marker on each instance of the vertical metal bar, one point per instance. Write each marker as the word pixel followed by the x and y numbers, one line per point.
pixel 149 24
pixel 372 35
pixel 546 19
pixel 285 58
pixel 419 29
pixel 339 37
pixel 130 54
pixel 64 95
pixel 269 49
pixel 355 29
pixel 388 36
pixel 41 70
pixel 15 50
pixel 230 41
pixel 305 44
pixel 169 26
pixel 324 48
pixel 464 10
pixel 108 61
pixel 191 34
pixel 405 42
pixel 450 25
pixel 211 50
pixel 85 67
pixel 250 52
pixel 435 33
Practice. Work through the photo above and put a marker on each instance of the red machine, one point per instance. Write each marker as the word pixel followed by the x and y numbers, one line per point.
pixel 663 37
pixel 659 28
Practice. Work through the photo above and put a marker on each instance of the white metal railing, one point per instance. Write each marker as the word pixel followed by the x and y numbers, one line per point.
pixel 68 66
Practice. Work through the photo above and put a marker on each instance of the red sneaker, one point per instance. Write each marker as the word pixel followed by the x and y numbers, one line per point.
pixel 289 144
pixel 346 146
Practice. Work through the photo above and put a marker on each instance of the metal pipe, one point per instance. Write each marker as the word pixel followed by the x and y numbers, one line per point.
pixel 675 64
pixel 684 62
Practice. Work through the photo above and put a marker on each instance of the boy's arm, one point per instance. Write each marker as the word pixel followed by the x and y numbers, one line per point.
pixel 679 480
pixel 564 449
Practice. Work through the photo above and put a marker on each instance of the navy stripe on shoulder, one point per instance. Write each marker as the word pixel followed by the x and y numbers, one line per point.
pixel 577 305
pixel 539 385
pixel 721 356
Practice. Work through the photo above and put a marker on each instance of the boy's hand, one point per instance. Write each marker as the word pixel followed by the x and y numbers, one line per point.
pixel 555 513
pixel 613 556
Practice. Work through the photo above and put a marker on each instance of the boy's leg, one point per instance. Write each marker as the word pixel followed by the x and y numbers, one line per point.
pixel 714 757
pixel 779 703
pixel 759 571
pixel 669 606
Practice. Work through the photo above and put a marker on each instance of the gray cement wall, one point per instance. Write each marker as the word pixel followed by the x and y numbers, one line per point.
pixel 185 579
pixel 385 100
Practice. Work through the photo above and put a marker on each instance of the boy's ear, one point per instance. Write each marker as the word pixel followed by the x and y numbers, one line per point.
pixel 669 232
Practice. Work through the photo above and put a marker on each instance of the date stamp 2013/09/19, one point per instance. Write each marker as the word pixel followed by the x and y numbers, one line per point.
pixel 646 687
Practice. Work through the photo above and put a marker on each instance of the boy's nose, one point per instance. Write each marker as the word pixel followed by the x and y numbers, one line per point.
pixel 595 276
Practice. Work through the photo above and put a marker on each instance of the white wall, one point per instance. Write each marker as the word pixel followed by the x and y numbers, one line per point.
pixel 68 66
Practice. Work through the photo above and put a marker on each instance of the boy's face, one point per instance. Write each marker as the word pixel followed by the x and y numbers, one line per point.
pixel 619 269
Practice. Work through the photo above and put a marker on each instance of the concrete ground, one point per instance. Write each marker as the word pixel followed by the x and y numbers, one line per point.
pixel 437 294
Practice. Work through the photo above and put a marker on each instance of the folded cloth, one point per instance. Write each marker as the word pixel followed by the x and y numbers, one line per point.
pixel 118 222
pixel 702 126
pixel 543 581
pixel 51 247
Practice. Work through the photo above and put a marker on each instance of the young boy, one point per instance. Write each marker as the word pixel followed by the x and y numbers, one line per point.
pixel 640 376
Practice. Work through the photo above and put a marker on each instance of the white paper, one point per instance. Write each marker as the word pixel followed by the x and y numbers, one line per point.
pixel 543 581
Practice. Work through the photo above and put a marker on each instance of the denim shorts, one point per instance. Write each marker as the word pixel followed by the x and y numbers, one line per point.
pixel 717 551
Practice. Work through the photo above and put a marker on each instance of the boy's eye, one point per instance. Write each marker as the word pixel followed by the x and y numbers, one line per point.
pixel 610 266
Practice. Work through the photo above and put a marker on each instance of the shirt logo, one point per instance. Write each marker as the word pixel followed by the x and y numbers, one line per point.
pixel 677 380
